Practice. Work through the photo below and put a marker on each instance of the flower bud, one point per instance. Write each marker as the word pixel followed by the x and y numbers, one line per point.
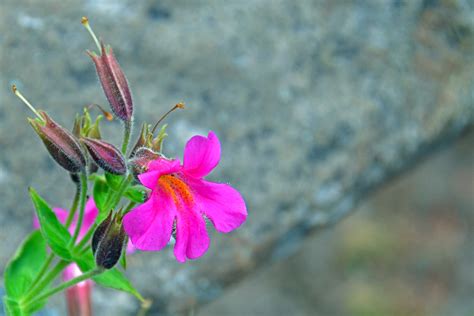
pixel 105 155
pixel 143 156
pixel 114 83
pixel 60 143
pixel 108 241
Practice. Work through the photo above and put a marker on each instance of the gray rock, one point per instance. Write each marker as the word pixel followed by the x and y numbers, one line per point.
pixel 316 103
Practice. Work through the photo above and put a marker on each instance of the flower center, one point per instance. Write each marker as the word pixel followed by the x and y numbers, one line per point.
pixel 176 188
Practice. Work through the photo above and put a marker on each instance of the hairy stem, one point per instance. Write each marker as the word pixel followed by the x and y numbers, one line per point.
pixel 126 137
pixel 46 280
pixel 82 200
pixel 65 285
pixel 73 209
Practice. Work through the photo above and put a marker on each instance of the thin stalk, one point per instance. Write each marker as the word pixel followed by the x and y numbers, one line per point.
pixel 43 270
pixel 126 136
pixel 67 284
pixel 46 280
pixel 73 209
pixel 129 207
pixel 82 201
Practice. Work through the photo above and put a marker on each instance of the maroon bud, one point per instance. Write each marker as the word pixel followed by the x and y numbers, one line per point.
pixel 114 83
pixel 143 156
pixel 60 143
pixel 100 232
pixel 105 155
pixel 109 242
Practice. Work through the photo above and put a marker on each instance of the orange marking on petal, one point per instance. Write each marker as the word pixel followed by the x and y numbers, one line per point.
pixel 177 189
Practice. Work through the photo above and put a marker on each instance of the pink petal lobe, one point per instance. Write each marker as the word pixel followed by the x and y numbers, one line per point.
pixel 221 203
pixel 156 169
pixel 149 225
pixel 201 155
pixel 192 240
pixel 90 214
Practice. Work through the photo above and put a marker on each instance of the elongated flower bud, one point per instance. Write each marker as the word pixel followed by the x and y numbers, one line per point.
pixel 105 155
pixel 108 241
pixel 60 143
pixel 114 83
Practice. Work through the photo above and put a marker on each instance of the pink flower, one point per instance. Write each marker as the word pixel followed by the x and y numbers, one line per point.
pixel 181 195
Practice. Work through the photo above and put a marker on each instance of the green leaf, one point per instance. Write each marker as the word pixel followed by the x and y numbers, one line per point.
pixel 136 193
pixel 100 193
pixel 12 308
pixel 112 278
pixel 123 258
pixel 113 180
pixel 56 235
pixel 24 266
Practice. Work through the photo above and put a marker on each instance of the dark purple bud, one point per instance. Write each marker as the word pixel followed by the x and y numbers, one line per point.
pixel 139 163
pixel 114 83
pixel 100 232
pixel 60 143
pixel 105 155
pixel 109 242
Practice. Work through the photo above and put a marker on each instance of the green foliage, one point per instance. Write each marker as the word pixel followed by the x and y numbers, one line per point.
pixel 55 234
pixel 21 271
pixel 112 278
pixel 113 180
pixel 100 193
pixel 136 193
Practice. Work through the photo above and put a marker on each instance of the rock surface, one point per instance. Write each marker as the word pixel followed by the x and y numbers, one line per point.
pixel 315 103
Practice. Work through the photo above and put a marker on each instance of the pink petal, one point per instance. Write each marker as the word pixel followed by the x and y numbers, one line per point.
pixel 221 203
pixel 201 155
pixel 90 214
pixel 149 225
pixel 156 169
pixel 192 240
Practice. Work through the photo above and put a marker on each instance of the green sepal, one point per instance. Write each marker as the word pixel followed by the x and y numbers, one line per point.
pixel 113 180
pixel 100 192
pixel 136 193
pixel 55 234
pixel 123 258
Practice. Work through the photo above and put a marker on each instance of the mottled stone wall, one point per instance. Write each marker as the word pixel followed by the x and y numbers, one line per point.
pixel 316 103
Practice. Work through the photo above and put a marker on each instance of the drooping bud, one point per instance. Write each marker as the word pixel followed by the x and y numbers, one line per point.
pixel 108 241
pixel 139 163
pixel 105 155
pixel 60 143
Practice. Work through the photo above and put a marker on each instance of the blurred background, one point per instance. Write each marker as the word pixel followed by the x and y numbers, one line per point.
pixel 324 109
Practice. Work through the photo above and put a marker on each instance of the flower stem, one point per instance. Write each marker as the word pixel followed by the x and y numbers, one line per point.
pixel 126 137
pixel 82 199
pixel 67 284
pixel 46 280
pixel 73 209
pixel 42 270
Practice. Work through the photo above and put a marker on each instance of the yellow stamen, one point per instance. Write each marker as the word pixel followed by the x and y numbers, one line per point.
pixel 85 22
pixel 107 114
pixel 25 101
pixel 179 105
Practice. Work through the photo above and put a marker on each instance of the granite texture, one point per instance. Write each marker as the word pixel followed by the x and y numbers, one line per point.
pixel 316 104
